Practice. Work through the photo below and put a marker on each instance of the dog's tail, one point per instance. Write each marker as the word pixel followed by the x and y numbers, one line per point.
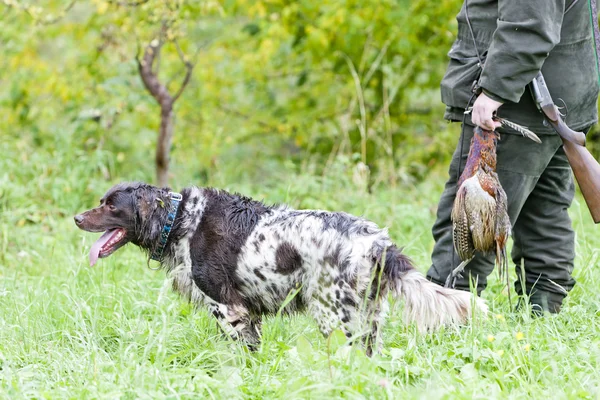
pixel 427 304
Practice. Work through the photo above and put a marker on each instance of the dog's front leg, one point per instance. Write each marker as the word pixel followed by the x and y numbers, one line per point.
pixel 236 322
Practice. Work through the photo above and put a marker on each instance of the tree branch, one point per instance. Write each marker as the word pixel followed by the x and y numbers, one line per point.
pixel 188 73
pixel 61 15
pixel 148 69
pixel 186 80
pixel 149 78
pixel 161 40
pixel 128 3
pixel 36 18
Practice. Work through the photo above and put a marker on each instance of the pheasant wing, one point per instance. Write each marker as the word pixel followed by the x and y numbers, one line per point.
pixel 461 232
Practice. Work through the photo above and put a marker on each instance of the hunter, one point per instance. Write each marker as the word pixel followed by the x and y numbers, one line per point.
pixel 500 47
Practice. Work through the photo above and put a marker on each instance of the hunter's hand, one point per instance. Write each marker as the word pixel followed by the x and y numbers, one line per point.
pixel 483 110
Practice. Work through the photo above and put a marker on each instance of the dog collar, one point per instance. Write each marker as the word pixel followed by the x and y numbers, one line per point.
pixel 164 236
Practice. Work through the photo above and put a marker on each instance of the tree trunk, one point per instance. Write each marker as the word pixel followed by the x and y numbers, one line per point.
pixel 163 146
pixel 166 101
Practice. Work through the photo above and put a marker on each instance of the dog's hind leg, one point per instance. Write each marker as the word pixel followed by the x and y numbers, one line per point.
pixel 345 314
pixel 235 321
pixel 335 307
pixel 376 313
pixel 327 315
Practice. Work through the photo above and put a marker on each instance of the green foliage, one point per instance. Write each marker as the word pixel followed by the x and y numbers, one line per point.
pixel 349 76
pixel 327 78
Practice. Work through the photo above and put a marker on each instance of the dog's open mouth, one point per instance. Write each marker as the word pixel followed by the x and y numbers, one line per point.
pixel 110 241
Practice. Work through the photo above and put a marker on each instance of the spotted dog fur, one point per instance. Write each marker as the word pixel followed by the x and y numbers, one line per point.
pixel 243 259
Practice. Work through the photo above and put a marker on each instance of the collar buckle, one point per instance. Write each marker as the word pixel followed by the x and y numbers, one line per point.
pixel 175 196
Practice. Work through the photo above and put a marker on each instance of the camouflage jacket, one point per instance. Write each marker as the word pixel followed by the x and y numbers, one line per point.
pixel 517 38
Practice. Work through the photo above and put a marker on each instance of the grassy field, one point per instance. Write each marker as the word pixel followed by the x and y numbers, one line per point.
pixel 68 331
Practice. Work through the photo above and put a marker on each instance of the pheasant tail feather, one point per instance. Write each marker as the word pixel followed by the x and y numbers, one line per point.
pixel 523 130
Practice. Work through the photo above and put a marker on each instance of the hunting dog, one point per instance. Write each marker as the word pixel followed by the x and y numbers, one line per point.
pixel 243 259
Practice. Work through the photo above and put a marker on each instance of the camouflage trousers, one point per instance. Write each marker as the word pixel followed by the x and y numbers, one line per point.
pixel 539 186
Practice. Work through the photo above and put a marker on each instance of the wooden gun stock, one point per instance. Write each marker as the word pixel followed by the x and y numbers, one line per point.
pixel 585 167
pixel 587 172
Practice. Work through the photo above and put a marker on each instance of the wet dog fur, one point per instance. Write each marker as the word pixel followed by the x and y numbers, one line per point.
pixel 242 259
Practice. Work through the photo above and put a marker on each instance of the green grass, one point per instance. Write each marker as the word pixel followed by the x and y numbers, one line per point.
pixel 68 331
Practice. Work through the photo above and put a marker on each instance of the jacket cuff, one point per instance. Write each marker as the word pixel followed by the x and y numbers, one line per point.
pixel 494 96
pixel 494 81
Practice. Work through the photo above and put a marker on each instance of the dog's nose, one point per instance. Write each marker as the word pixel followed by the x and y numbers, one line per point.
pixel 78 219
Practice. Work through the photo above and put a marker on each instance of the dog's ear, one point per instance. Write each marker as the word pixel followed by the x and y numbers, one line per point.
pixel 146 201
pixel 149 198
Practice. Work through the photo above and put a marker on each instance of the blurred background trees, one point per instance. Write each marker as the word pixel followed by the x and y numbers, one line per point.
pixel 296 83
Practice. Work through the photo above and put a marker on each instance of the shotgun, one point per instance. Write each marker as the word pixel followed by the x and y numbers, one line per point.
pixel 585 167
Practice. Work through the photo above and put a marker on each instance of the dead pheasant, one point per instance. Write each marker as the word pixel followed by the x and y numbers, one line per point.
pixel 479 216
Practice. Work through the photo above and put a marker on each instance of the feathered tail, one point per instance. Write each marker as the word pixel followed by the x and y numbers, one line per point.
pixel 427 304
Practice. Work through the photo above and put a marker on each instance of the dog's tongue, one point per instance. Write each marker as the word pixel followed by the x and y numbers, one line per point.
pixel 95 250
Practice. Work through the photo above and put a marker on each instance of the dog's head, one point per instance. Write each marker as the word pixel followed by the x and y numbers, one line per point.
pixel 123 216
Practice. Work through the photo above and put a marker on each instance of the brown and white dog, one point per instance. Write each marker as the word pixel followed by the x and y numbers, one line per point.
pixel 243 259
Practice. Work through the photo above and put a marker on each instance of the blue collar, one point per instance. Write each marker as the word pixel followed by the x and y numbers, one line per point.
pixel 164 236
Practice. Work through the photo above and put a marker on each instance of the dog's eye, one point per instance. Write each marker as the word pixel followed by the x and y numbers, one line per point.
pixel 112 207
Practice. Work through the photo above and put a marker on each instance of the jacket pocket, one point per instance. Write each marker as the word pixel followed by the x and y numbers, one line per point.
pixel 463 70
